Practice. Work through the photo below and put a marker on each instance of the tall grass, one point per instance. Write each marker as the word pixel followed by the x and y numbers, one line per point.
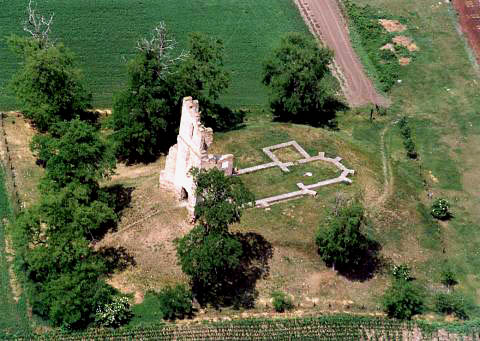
pixel 13 316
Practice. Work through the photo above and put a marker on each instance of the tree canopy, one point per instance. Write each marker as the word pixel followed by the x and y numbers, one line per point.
pixel 221 199
pixel 302 89
pixel 146 115
pixel 342 243
pixel 49 86
pixel 74 152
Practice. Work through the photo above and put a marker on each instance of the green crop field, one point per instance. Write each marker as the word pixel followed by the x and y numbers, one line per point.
pixel 103 34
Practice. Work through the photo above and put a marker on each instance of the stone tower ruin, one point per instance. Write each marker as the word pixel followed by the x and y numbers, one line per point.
pixel 191 151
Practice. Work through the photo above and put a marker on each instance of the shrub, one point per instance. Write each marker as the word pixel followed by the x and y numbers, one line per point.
pixel 451 304
pixel 401 272
pixel 403 300
pixel 175 302
pixel 281 302
pixel 114 314
pixel 440 209
pixel 448 278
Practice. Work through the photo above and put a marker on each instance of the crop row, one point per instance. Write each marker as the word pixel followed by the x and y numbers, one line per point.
pixel 320 328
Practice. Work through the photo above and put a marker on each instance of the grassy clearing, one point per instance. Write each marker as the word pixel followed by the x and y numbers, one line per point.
pixel 13 314
pixel 439 94
pixel 103 34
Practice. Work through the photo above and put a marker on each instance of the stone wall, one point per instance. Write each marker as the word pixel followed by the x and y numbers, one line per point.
pixel 191 151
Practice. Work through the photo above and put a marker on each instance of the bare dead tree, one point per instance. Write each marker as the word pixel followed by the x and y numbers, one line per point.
pixel 38 26
pixel 162 46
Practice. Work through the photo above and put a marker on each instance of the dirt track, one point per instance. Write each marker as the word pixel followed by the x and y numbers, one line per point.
pixel 325 19
pixel 469 18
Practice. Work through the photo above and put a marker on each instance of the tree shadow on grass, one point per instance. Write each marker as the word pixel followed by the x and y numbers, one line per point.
pixel 369 263
pixel 118 197
pixel 239 286
pixel 116 258
pixel 326 117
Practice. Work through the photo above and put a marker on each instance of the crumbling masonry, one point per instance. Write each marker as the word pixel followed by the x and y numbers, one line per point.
pixel 191 151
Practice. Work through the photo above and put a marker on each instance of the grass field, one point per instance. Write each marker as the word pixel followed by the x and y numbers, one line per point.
pixel 103 33
pixel 439 92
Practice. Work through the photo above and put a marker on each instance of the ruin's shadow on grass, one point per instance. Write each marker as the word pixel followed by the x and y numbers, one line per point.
pixel 239 287
pixel 116 258
pixel 369 263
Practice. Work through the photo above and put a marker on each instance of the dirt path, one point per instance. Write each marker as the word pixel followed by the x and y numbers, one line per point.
pixel 325 20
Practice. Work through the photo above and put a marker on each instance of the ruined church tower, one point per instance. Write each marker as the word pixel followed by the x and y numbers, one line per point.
pixel 191 151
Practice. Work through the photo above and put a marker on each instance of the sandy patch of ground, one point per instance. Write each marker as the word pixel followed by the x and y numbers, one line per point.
pixel 146 232
pixel 392 25
pixel 406 42
pixel 404 61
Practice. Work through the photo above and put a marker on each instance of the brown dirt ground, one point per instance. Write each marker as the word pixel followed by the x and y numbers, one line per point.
pixel 469 19
pixel 392 25
pixel 406 42
pixel 326 21
pixel 146 230
pixel 404 61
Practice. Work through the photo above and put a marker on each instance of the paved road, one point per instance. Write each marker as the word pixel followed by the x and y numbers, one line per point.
pixel 326 21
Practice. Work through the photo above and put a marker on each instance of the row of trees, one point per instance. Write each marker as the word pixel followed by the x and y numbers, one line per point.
pixel 64 277
pixel 146 114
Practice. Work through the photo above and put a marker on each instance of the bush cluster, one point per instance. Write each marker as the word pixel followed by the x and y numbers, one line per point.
pixel 451 304
pixel 403 300
pixel 440 209
pixel 175 302
pixel 114 314
pixel 342 243
pixel 281 302
pixel 408 142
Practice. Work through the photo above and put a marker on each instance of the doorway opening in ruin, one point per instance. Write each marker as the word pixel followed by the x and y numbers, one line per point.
pixel 183 194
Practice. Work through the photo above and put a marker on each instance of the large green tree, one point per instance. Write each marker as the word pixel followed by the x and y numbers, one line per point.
pixel 143 120
pixel 147 114
pixel 209 255
pixel 49 86
pixel 73 152
pixel 302 88
pixel 221 199
pixel 208 259
pixel 342 243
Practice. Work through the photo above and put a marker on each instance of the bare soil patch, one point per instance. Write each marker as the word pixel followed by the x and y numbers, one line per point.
pixel 18 133
pixel 404 61
pixel 146 232
pixel 392 25
pixel 405 42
